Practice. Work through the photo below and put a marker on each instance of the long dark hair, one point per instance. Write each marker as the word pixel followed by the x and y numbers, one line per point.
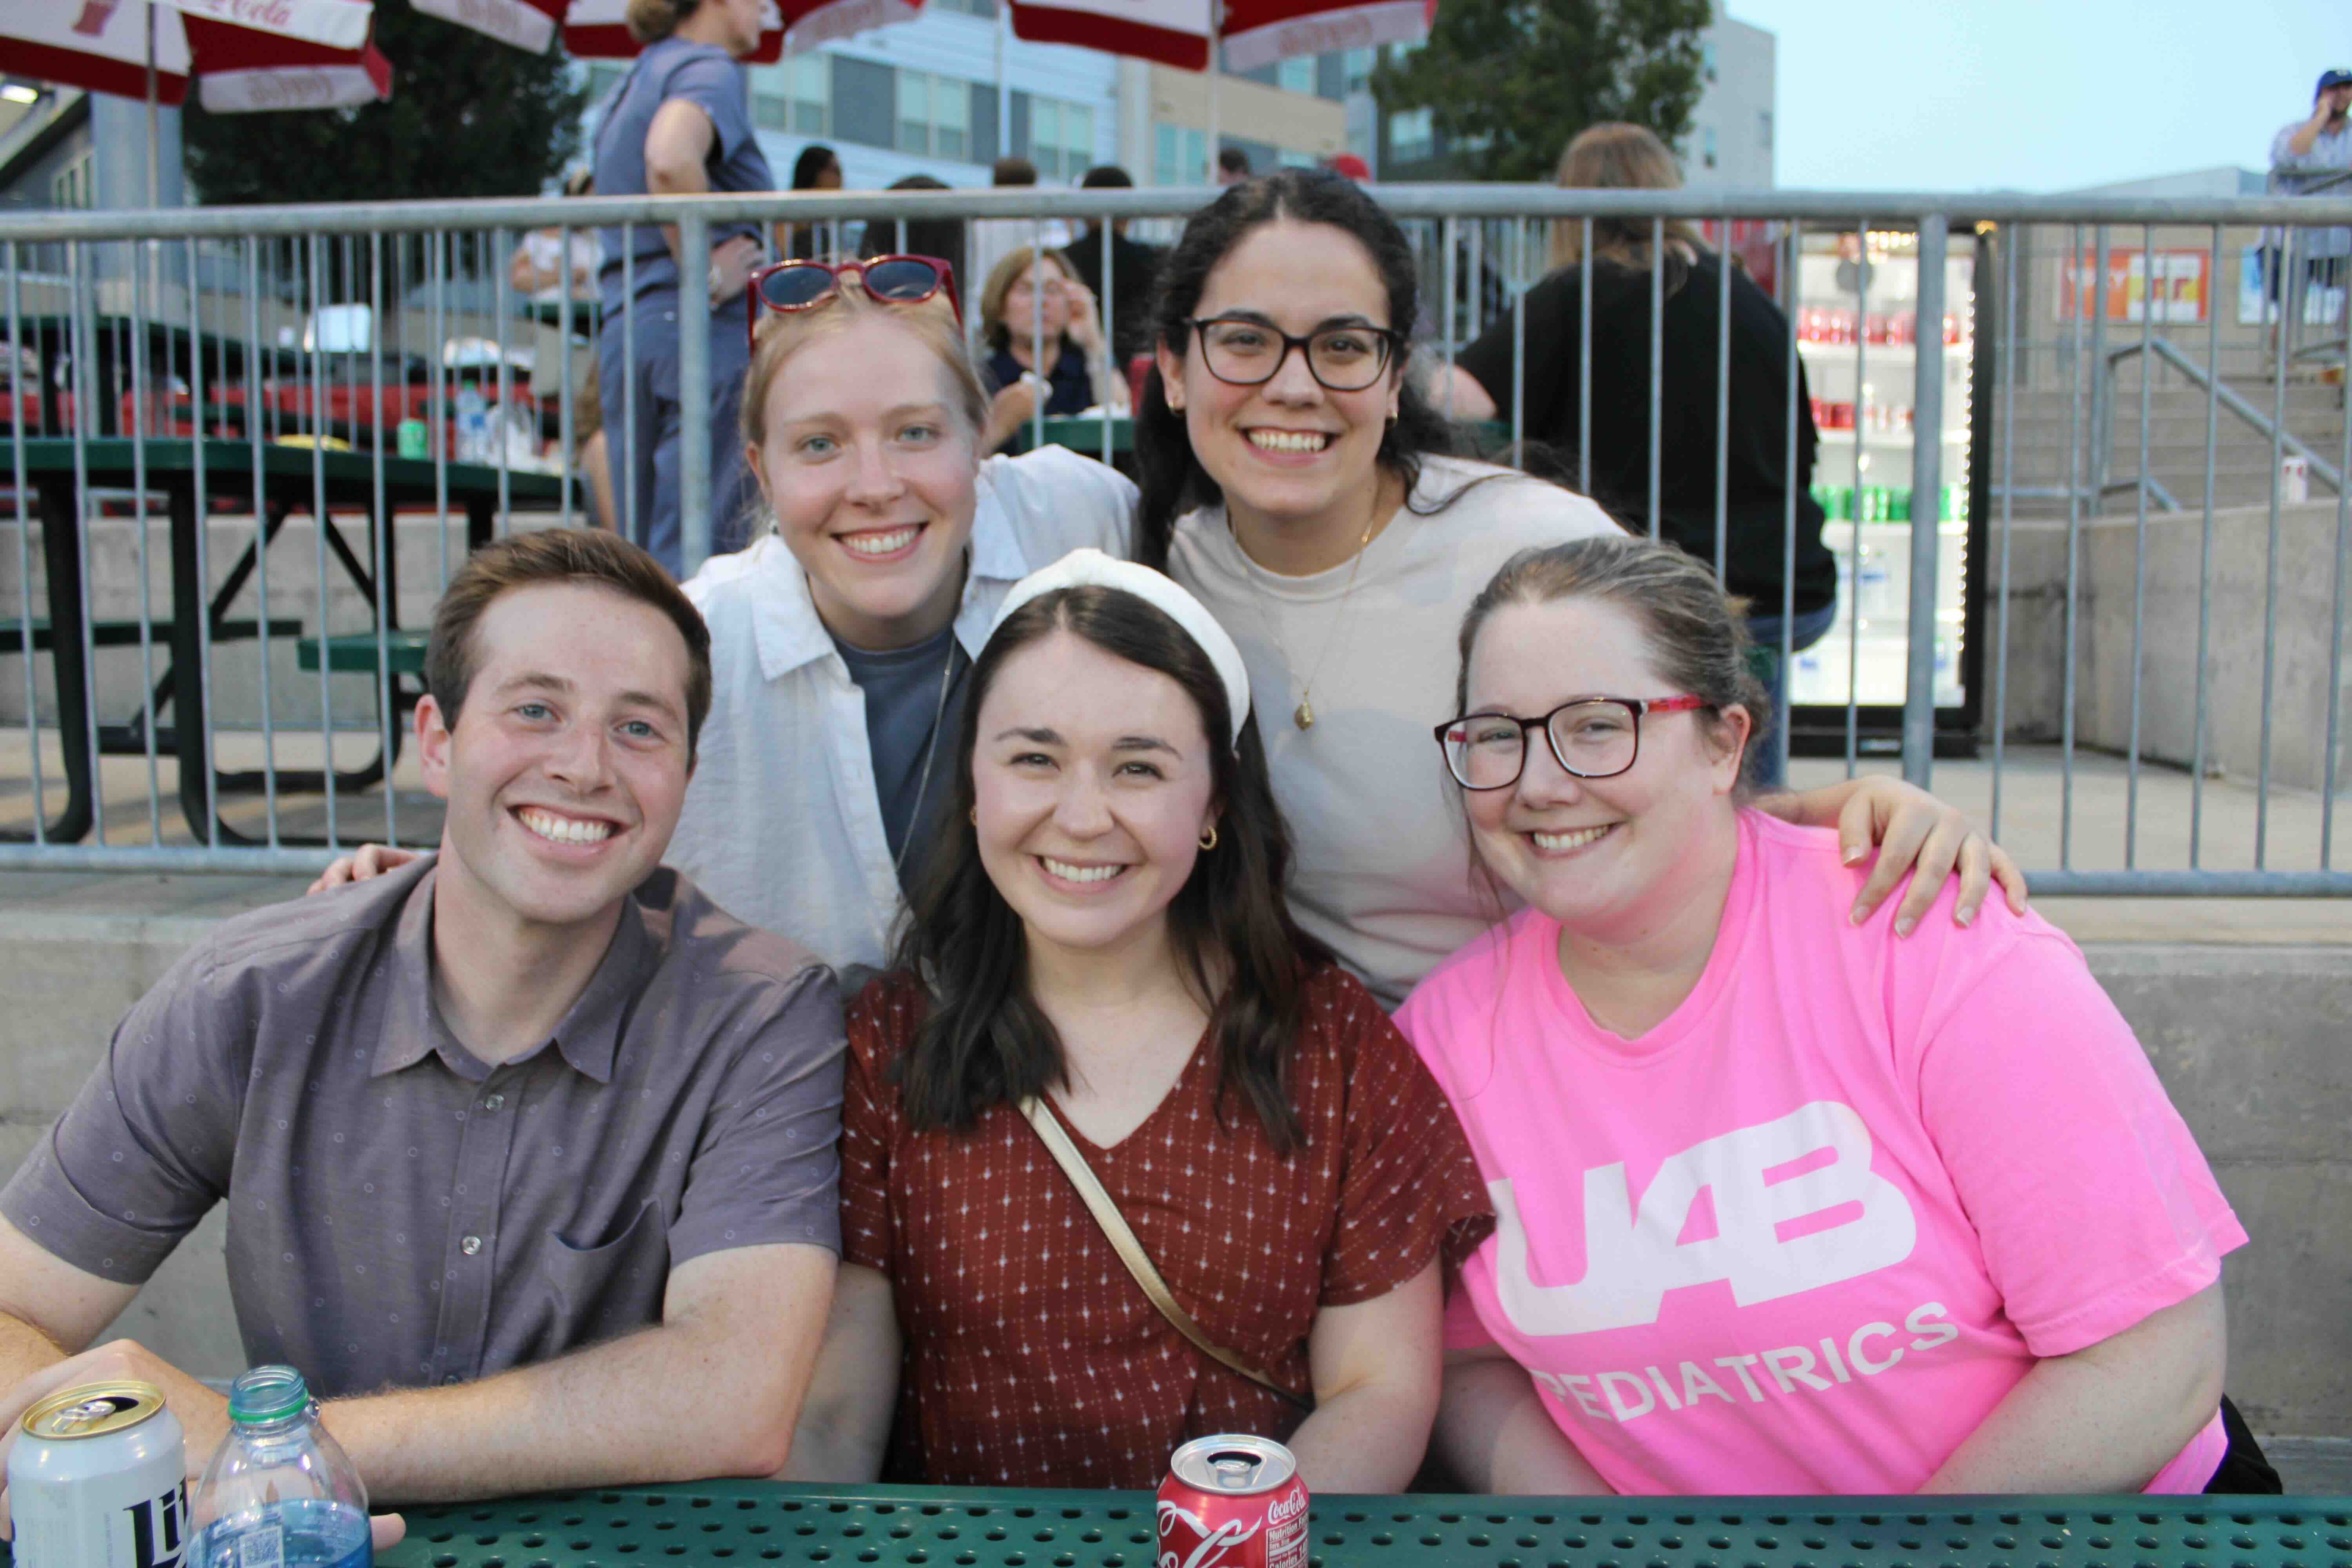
pixel 1173 481
pixel 984 1039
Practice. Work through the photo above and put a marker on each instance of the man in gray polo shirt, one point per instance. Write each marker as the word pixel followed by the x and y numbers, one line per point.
pixel 527 1148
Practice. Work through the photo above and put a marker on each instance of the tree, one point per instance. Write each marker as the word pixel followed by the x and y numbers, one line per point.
pixel 467 117
pixel 1509 81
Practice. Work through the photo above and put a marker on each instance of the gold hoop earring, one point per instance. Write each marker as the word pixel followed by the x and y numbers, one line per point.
pixel 974 815
pixel 1209 839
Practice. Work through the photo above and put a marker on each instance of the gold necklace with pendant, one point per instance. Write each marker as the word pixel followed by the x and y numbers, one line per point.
pixel 1304 714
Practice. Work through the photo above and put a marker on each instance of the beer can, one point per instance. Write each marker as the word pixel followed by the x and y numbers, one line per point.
pixel 96 1479
pixel 1232 1501
pixel 412 439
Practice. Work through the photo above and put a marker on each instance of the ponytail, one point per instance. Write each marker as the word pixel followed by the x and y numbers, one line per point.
pixel 651 21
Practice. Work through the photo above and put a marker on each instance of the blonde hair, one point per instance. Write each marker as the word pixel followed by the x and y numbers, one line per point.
pixel 651 21
pixel 784 334
pixel 1009 270
pixel 1616 156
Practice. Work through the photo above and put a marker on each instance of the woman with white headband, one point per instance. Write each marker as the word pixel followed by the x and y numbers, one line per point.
pixel 1100 984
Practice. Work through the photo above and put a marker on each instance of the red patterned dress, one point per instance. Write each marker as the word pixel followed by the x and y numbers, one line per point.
pixel 1032 1358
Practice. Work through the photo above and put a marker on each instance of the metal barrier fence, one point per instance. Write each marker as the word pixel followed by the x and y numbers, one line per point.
pixel 266 372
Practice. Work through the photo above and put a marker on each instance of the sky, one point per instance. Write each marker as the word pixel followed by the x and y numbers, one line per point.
pixel 2038 95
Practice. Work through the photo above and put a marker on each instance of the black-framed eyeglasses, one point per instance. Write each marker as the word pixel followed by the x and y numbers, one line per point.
pixel 1591 737
pixel 1251 353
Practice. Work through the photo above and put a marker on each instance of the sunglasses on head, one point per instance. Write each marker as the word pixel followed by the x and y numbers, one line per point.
pixel 789 286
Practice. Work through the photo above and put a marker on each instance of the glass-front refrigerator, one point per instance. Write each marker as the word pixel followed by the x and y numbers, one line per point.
pixel 1859 333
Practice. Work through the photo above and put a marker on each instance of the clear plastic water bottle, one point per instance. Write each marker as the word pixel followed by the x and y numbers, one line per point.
pixel 281 1492
pixel 473 424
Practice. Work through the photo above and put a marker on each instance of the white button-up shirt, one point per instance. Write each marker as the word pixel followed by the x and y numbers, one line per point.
pixel 783 825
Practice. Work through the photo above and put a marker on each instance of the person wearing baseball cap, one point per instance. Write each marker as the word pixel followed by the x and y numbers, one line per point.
pixel 2313 156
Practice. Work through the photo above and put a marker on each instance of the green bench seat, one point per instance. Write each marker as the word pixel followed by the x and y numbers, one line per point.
pixel 125 633
pixel 354 653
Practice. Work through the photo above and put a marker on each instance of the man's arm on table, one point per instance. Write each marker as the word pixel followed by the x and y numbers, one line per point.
pixel 712 1390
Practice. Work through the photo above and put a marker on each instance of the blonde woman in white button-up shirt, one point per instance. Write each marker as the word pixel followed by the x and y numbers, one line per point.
pixel 887 535
pixel 887 539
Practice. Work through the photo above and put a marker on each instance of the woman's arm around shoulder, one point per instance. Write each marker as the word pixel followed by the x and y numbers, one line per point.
pixel 1914 833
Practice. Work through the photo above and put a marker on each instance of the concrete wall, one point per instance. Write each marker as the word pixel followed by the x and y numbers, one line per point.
pixel 2249 1041
pixel 2106 548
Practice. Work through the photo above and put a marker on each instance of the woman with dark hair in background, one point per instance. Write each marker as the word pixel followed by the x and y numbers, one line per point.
pixel 1099 945
pixel 818 168
pixel 1757 484
pixel 1297 480
pixel 889 235
pixel 678 123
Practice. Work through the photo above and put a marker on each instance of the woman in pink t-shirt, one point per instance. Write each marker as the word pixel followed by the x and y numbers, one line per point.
pixel 1784 1205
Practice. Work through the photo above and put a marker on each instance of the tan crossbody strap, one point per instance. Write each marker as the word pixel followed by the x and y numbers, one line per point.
pixel 1130 1251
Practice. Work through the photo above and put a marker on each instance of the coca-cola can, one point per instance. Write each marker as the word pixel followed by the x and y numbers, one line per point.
pixel 96 1479
pixel 1232 1501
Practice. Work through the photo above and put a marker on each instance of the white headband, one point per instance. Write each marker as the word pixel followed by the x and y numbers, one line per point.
pixel 1092 569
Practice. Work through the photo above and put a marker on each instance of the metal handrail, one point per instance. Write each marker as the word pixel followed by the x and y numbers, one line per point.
pixel 2321 469
pixel 1888 209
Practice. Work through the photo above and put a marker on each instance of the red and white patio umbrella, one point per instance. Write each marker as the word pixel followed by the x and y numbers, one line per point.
pixel 597 29
pixel 1260 32
pixel 528 24
pixel 1186 34
pixel 1169 32
pixel 244 55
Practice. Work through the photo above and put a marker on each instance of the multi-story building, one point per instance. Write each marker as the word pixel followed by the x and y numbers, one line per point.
pixel 1730 140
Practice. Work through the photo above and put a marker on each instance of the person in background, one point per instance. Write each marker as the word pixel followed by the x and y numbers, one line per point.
pixel 1759 483
pixel 1296 481
pixel 538 268
pixel 2313 156
pixel 679 123
pixel 1038 323
pixel 942 237
pixel 1783 1203
pixel 1134 270
pixel 1099 943
pixel 993 238
pixel 818 168
pixel 527 1148
pixel 1232 166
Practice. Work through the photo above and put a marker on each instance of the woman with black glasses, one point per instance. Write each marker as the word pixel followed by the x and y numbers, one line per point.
pixel 1297 482
pixel 1784 1205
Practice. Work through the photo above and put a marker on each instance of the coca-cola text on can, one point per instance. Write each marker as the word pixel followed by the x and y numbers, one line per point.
pixel 96 1479
pixel 1232 1501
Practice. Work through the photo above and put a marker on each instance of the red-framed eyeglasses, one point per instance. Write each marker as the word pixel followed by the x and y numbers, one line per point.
pixel 789 286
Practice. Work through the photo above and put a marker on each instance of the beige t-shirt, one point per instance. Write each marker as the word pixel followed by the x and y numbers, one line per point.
pixel 1383 857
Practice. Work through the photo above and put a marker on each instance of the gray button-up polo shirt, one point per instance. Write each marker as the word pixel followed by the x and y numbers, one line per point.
pixel 402 1212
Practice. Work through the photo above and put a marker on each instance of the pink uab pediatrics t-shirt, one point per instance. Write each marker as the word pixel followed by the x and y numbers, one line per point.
pixel 1804 1235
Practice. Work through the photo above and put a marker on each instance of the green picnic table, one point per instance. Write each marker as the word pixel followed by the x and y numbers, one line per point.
pixel 288 479
pixel 750 1523
pixel 747 1524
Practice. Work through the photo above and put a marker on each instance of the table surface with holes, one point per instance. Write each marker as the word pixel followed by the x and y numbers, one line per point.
pixel 749 1524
